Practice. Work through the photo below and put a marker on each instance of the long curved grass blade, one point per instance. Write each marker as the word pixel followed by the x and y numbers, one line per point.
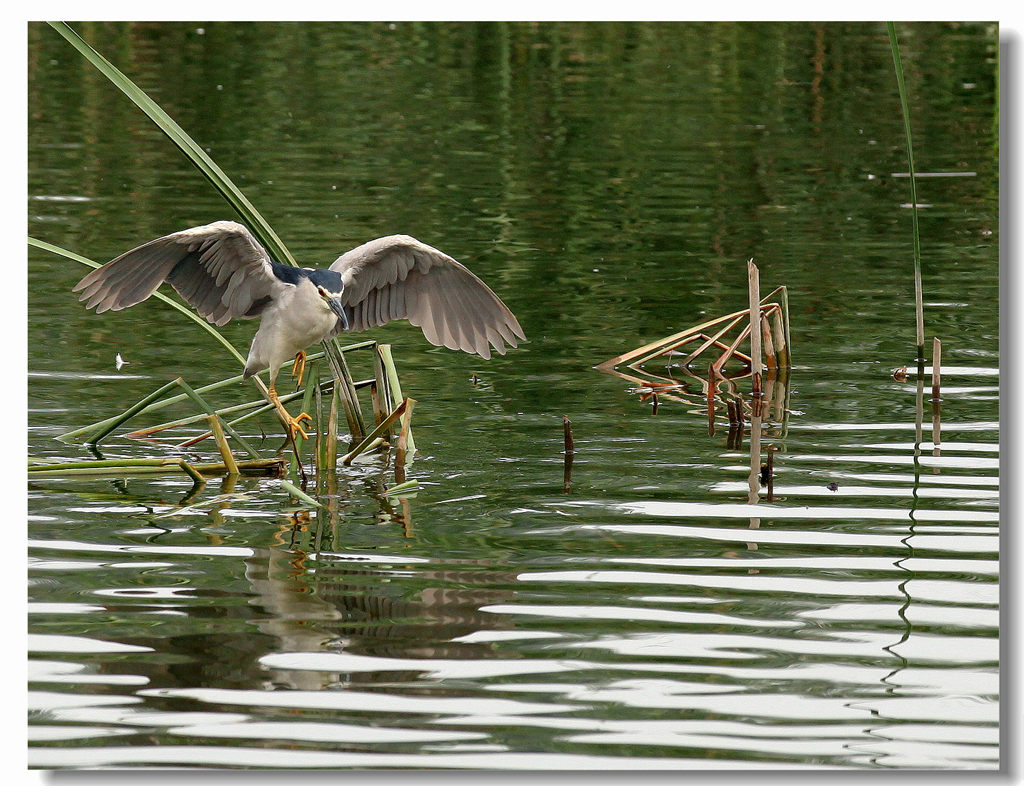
pixel 158 295
pixel 894 44
pixel 249 214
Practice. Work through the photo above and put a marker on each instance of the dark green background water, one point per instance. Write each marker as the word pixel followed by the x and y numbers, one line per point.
pixel 609 181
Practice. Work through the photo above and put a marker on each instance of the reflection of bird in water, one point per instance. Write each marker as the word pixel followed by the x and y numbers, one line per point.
pixel 363 610
pixel 224 273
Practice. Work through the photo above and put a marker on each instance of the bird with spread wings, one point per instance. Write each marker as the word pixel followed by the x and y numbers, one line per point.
pixel 223 272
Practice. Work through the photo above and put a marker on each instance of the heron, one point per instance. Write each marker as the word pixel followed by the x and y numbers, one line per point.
pixel 223 272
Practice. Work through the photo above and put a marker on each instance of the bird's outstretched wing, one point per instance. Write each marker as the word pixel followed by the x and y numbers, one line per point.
pixel 219 269
pixel 398 277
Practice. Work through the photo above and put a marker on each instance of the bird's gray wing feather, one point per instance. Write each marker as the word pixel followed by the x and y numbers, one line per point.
pixel 219 269
pixel 398 277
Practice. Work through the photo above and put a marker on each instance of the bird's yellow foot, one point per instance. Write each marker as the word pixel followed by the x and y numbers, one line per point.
pixel 299 367
pixel 294 425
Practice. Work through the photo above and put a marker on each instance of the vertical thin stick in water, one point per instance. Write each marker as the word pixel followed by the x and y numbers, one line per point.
pixel 331 448
pixel 936 395
pixel 568 454
pixel 918 439
pixel 567 434
pixel 735 437
pixel 918 290
pixel 712 392
pixel 754 291
pixel 754 479
pixel 318 447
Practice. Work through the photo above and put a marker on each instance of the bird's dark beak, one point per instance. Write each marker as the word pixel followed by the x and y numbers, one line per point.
pixel 338 308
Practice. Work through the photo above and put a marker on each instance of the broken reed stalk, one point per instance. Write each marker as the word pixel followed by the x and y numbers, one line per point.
pixel 331 444
pixel 317 424
pixel 712 387
pixel 567 435
pixel 380 395
pixel 403 441
pixel 780 326
pixel 376 435
pixel 349 399
pixel 779 338
pixel 770 359
pixel 754 292
pixel 222 444
pixel 395 390
pixel 894 44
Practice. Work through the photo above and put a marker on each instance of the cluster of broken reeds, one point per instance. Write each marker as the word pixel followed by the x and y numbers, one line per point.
pixel 336 397
pixel 714 345
pixel 764 325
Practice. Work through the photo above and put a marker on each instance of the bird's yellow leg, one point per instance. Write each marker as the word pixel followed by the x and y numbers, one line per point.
pixel 299 367
pixel 294 424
